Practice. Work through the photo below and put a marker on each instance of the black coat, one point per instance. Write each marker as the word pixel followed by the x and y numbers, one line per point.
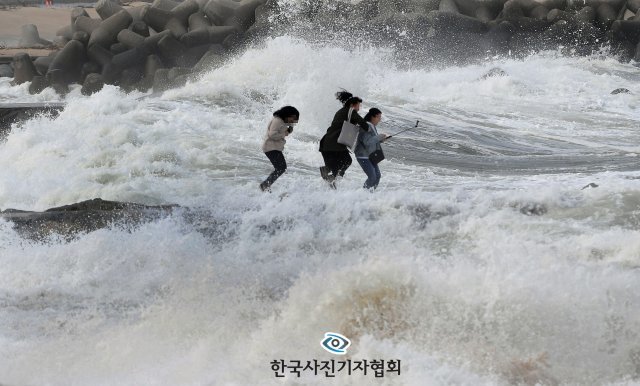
pixel 330 140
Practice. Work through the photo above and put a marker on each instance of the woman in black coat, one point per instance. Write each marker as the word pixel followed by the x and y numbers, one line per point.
pixel 336 156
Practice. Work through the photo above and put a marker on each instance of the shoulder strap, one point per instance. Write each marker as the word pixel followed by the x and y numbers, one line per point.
pixel 349 117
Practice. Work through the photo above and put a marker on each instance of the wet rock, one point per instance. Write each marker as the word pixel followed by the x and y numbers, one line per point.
pixel 494 72
pixel 84 217
pixel 532 209
pixel 423 215
pixel 620 91
pixel 590 185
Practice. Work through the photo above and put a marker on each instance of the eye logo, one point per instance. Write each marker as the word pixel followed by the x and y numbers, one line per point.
pixel 335 343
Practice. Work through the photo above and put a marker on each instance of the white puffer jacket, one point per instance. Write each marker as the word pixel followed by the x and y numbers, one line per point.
pixel 276 132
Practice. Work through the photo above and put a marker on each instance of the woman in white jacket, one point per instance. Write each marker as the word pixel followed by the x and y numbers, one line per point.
pixel 280 126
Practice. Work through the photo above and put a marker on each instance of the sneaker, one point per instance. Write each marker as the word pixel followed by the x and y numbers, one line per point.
pixel 324 172
pixel 265 187
pixel 332 182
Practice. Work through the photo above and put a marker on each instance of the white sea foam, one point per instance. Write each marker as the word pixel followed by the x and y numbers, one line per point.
pixel 439 268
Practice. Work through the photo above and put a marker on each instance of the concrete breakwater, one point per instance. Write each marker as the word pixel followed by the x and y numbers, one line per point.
pixel 150 46
pixel 161 45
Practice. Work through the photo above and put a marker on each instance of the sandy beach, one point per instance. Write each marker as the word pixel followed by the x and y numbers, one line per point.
pixel 48 21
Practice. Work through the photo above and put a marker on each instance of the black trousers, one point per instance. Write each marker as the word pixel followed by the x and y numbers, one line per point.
pixel 337 161
pixel 279 163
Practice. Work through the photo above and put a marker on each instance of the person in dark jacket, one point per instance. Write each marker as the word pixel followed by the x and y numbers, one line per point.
pixel 336 156
pixel 280 126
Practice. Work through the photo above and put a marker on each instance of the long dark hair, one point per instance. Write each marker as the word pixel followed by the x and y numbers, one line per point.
pixel 347 98
pixel 372 113
pixel 286 112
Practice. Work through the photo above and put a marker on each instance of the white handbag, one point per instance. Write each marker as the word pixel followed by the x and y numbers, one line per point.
pixel 349 133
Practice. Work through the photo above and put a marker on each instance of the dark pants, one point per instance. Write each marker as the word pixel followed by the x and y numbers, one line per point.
pixel 277 159
pixel 372 171
pixel 337 161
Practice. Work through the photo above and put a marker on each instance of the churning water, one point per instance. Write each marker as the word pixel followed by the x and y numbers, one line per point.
pixel 479 259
